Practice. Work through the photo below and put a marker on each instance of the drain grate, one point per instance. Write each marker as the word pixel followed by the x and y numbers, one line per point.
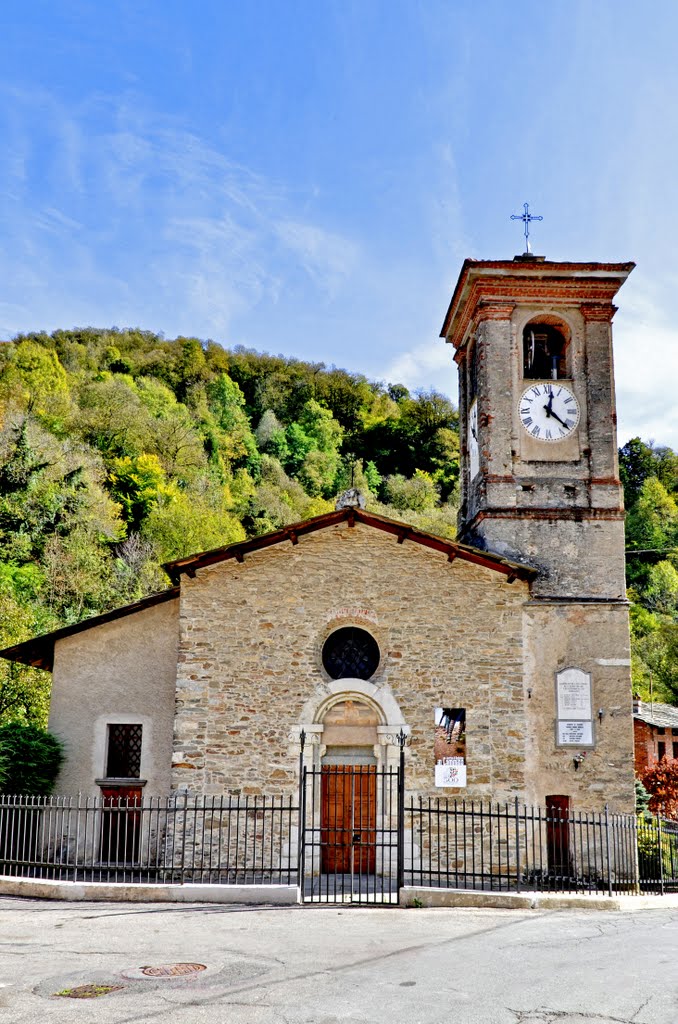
pixel 172 970
pixel 88 991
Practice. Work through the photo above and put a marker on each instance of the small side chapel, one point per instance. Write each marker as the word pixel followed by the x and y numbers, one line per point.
pixel 502 657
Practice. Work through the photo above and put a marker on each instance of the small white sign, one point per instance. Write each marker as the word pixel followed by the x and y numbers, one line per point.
pixel 576 734
pixel 573 691
pixel 451 774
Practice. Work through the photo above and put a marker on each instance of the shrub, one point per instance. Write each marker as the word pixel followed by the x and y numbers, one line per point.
pixel 661 782
pixel 30 759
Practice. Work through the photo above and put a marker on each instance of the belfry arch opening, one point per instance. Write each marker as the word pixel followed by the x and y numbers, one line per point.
pixel 545 343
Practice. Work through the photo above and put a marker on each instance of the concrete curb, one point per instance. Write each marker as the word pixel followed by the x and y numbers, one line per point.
pixel 413 896
pixel 288 895
pixel 120 892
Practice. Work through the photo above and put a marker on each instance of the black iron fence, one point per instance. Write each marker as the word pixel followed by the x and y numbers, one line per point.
pixel 222 840
pixel 511 847
pixel 360 841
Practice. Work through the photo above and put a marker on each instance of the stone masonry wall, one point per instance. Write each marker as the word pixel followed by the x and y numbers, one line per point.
pixel 251 637
pixel 595 639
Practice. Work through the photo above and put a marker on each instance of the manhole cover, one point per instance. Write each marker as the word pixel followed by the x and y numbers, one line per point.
pixel 172 970
pixel 88 991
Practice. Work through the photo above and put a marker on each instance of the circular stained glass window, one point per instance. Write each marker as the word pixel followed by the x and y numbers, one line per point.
pixel 350 653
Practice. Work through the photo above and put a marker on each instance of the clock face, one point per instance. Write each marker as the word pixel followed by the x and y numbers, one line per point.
pixel 473 453
pixel 548 412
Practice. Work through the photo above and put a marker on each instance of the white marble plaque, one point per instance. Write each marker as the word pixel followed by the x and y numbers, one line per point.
pixel 575 734
pixel 573 694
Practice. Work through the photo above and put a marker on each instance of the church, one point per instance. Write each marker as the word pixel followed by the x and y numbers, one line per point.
pixel 501 660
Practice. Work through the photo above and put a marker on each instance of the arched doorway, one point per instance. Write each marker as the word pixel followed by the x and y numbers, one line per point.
pixel 348 802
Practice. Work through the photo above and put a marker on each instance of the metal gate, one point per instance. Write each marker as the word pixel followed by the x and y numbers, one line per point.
pixel 351 834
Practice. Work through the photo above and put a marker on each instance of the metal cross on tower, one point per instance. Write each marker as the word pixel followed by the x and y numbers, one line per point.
pixel 526 217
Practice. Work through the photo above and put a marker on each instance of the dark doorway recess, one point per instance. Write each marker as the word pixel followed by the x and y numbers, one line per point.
pixel 558 835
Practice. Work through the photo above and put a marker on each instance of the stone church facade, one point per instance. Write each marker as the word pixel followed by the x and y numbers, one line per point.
pixel 354 629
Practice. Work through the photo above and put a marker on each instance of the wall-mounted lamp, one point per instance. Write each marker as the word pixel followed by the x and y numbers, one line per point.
pixel 529 693
pixel 601 712
pixel 578 759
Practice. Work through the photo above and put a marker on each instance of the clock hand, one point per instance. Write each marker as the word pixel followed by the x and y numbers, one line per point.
pixel 557 417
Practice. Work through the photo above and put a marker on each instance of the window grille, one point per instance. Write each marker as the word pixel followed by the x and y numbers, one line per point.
pixel 350 653
pixel 124 751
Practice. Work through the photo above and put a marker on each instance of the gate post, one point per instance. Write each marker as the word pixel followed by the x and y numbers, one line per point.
pixel 301 815
pixel 401 811
pixel 661 859
pixel 607 847
pixel 517 825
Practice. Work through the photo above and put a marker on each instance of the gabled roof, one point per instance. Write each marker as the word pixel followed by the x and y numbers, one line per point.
pixel 662 715
pixel 39 650
pixel 512 570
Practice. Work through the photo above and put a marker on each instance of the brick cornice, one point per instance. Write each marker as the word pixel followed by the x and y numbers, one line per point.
pixel 493 309
pixel 601 311
pixel 549 285
pixel 575 515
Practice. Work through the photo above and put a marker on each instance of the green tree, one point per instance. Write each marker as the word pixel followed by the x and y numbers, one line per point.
pixel 652 523
pixel 30 759
pixel 661 591
pixel 636 464
pixel 419 493
pixel 138 483
pixel 183 524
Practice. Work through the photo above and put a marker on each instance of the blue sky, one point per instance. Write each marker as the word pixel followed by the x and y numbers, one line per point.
pixel 307 177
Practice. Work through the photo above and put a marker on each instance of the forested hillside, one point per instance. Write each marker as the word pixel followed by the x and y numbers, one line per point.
pixel 120 450
pixel 650 477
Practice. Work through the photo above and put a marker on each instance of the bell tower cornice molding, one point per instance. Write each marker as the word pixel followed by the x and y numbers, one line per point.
pixel 493 309
pixel 598 311
pixel 495 284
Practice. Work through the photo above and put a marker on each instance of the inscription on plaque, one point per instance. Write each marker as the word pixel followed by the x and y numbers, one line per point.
pixel 578 734
pixel 574 724
pixel 573 689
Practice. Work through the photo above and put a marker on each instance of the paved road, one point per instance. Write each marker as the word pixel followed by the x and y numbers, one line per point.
pixel 338 966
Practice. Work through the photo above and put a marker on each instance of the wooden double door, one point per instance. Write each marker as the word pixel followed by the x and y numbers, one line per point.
pixel 348 813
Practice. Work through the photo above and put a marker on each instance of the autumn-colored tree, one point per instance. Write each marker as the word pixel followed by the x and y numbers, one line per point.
pixel 661 782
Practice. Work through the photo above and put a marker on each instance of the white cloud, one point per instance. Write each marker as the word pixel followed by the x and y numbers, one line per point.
pixel 646 370
pixel 429 365
pixel 141 221
pixel 327 257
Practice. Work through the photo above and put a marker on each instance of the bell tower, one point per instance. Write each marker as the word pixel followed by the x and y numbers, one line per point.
pixel 540 484
pixel 540 475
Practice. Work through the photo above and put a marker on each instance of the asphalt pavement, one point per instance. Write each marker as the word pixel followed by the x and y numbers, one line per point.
pixel 327 965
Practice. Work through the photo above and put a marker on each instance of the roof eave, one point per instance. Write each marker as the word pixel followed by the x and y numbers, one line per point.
pixel 190 565
pixel 472 269
pixel 39 650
